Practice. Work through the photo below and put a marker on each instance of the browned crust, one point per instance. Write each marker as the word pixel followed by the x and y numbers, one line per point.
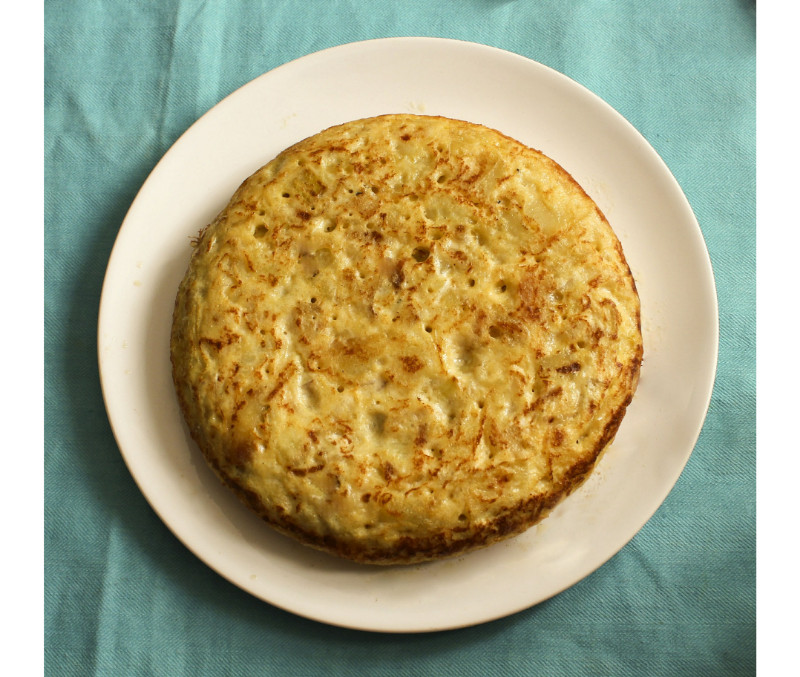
pixel 449 542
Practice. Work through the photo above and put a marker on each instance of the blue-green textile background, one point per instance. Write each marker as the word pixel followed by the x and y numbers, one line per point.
pixel 123 597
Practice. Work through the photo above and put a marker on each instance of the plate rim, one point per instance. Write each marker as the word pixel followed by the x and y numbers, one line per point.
pixel 322 54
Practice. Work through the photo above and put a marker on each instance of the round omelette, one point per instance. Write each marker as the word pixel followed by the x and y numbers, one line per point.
pixel 406 337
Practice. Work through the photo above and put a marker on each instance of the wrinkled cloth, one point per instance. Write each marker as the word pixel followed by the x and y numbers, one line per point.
pixel 122 596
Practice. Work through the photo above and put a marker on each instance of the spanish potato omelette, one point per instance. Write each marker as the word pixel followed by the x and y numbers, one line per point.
pixel 406 337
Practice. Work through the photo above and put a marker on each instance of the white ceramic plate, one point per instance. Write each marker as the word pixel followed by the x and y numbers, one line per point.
pixel 525 100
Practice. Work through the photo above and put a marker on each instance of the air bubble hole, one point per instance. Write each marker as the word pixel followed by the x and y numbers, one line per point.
pixel 421 254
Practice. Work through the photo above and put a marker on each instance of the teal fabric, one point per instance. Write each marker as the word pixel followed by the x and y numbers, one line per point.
pixel 123 79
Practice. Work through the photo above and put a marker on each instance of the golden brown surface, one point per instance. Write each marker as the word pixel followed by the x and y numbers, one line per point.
pixel 406 337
